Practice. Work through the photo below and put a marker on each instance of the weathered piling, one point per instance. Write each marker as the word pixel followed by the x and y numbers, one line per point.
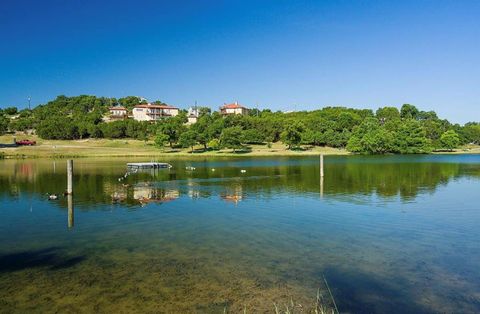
pixel 321 187
pixel 71 214
pixel 321 165
pixel 69 177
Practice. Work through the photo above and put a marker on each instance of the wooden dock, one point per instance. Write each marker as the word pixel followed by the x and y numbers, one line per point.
pixel 148 165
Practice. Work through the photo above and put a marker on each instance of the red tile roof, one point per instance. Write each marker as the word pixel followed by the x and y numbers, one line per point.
pixel 155 106
pixel 233 106
pixel 117 108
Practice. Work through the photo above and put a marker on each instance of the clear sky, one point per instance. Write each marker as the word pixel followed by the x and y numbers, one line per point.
pixel 282 55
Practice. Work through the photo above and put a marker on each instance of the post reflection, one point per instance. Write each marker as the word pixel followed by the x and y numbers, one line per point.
pixel 71 213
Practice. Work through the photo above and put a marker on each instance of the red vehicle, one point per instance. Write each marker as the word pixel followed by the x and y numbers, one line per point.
pixel 26 143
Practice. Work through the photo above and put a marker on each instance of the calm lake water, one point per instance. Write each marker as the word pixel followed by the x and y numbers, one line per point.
pixel 395 234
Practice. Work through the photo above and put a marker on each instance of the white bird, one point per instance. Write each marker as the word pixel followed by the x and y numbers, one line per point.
pixel 53 197
pixel 243 171
pixel 213 169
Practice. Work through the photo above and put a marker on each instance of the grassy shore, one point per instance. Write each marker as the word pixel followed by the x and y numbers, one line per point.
pixel 136 148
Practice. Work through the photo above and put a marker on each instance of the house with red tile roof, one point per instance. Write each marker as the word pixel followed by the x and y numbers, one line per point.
pixel 235 108
pixel 151 112
pixel 118 112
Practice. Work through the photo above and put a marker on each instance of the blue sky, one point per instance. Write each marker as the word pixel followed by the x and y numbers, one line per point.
pixel 277 54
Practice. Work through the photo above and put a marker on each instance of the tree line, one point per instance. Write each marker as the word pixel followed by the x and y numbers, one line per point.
pixel 387 130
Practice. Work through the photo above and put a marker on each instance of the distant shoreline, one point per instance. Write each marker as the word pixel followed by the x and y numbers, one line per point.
pixel 109 148
pixel 100 148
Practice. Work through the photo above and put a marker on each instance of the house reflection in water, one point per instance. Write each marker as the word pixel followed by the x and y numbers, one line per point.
pixel 233 195
pixel 148 194
pixel 193 190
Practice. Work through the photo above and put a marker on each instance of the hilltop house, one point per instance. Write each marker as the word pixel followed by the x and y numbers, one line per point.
pixel 234 108
pixel 193 114
pixel 118 112
pixel 151 112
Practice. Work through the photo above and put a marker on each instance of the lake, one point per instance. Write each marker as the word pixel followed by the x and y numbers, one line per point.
pixel 389 234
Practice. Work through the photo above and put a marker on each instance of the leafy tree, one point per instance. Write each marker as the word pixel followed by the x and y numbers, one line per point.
pixel 231 138
pixel 129 102
pixel 387 114
pixel 312 137
pixel 214 144
pixel 161 139
pixel 115 129
pixel 411 138
pixel 188 139
pixel 450 140
pixel 204 111
pixel 354 144
pixel 409 112
pixel 252 136
pixel 427 115
pixel 4 121
pixel 58 128
pixel 292 136
pixel 201 129
pixel 10 110
pixel 471 132
pixel 377 141
pixel 172 128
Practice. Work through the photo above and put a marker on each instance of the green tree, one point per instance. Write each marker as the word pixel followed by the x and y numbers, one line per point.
pixel 115 129
pixel 129 102
pixel 252 136
pixel 409 112
pixel 385 114
pixel 161 139
pixel 10 110
pixel 172 128
pixel 188 139
pixel 231 138
pixel 312 137
pixel 377 141
pixel 411 138
pixel 450 140
pixel 201 129
pixel 214 144
pixel 292 136
pixel 58 128
pixel 4 121
pixel 471 133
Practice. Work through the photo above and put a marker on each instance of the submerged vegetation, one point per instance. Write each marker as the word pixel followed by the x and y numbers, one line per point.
pixel 388 130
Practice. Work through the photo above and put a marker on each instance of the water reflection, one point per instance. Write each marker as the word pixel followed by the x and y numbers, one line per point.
pixel 97 182
pixel 390 234
pixel 71 213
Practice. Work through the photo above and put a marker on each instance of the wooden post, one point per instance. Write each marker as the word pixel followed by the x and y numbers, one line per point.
pixel 321 187
pixel 69 177
pixel 70 211
pixel 321 165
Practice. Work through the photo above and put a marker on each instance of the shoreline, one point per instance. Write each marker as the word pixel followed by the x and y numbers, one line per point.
pixel 130 148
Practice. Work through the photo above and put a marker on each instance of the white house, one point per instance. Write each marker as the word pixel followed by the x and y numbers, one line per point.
pixel 234 108
pixel 118 112
pixel 193 114
pixel 150 112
